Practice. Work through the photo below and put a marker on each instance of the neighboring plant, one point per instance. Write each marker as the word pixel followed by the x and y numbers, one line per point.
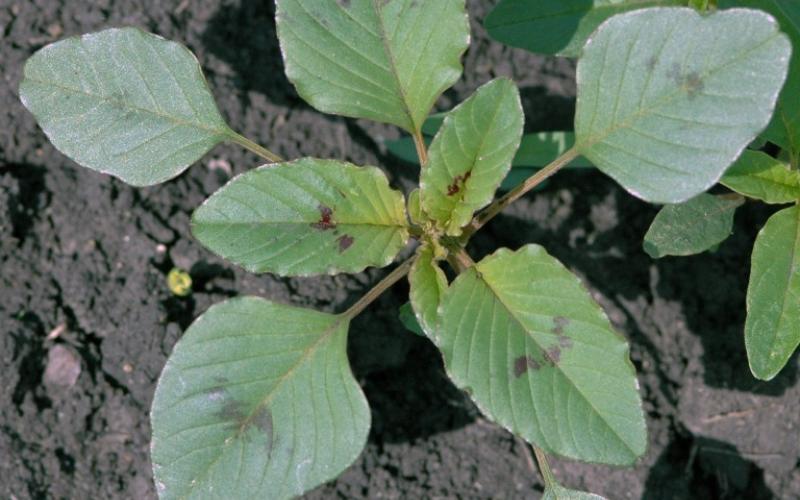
pixel 258 399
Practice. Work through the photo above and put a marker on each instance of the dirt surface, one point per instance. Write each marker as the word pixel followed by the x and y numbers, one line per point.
pixel 86 319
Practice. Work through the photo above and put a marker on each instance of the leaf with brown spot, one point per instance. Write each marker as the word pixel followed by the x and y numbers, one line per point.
pixel 254 389
pixel 292 219
pixel 501 329
pixel 471 155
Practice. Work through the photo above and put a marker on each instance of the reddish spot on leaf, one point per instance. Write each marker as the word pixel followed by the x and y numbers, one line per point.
pixel 559 322
pixel 523 363
pixel 458 183
pixel 552 355
pixel 345 241
pixel 325 221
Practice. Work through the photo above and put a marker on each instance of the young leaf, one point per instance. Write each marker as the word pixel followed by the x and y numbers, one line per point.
pixel 668 98
pixel 471 154
pixel 558 492
pixel 523 337
pixel 691 227
pixel 428 282
pixel 305 217
pixel 414 209
pixel 772 328
pixel 758 175
pixel 387 60
pixel 409 319
pixel 784 129
pixel 558 27
pixel 256 401
pixel 123 102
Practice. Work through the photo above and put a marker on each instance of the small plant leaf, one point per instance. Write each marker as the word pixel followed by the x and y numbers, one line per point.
pixel 558 492
pixel 668 98
pixel 558 27
pixel 760 176
pixel 471 154
pixel 784 130
pixel 428 282
pixel 409 319
pixel 123 102
pixel 256 401
pixel 415 213
pixel 772 328
pixel 386 60
pixel 305 217
pixel 691 227
pixel 523 337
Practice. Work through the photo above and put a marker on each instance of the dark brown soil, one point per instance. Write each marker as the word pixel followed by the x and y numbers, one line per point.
pixel 86 320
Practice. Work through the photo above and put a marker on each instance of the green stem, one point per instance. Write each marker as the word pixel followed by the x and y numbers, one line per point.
pixel 255 148
pixel 544 467
pixel 378 289
pixel 422 150
pixel 531 182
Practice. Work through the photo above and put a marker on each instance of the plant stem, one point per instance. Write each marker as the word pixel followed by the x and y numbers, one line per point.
pixel 378 289
pixel 544 468
pixel 531 182
pixel 255 148
pixel 422 149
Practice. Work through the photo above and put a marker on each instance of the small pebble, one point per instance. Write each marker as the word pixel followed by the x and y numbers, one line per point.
pixel 63 366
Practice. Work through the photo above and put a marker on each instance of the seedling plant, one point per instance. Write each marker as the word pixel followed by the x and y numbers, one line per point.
pixel 258 399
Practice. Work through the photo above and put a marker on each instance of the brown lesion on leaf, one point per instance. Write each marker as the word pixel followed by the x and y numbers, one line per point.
pixel 234 413
pixel 345 241
pixel 559 323
pixel 524 363
pixel 263 421
pixel 458 183
pixel 652 62
pixel 552 355
pixel 691 83
pixel 325 221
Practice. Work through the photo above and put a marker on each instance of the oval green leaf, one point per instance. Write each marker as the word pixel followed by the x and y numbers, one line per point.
pixel 691 227
pixel 409 319
pixel 123 102
pixel 471 154
pixel 427 284
pixel 386 60
pixel 669 98
pixel 760 176
pixel 256 401
pixel 772 328
pixel 558 27
pixel 523 337
pixel 305 217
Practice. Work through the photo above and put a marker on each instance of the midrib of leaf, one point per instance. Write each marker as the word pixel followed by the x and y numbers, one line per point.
pixel 524 328
pixel 789 276
pixel 392 64
pixel 696 221
pixel 124 104
pixel 591 140
pixel 304 357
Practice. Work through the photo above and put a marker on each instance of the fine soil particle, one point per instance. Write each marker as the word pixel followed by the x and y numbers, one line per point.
pixel 85 256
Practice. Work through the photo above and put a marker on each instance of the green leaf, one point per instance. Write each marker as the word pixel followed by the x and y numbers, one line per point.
pixel 427 284
pixel 558 492
pixel 559 27
pixel 691 227
pixel 415 213
pixel 387 60
pixel 772 328
pixel 669 98
pixel 409 320
pixel 305 217
pixel 471 154
pixel 758 175
pixel 784 130
pixel 123 102
pixel 256 401
pixel 523 337
pixel 541 148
